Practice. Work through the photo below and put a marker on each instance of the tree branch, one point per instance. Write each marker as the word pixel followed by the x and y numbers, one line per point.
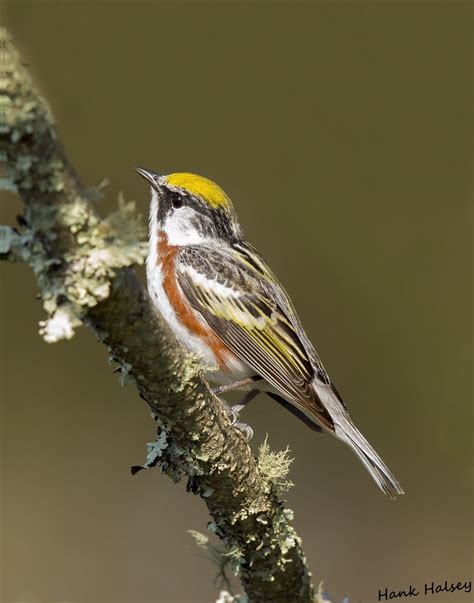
pixel 82 266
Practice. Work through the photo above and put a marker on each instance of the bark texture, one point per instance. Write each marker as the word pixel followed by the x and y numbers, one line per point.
pixel 82 264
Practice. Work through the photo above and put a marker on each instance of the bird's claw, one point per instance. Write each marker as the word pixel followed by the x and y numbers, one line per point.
pixel 245 430
pixel 233 412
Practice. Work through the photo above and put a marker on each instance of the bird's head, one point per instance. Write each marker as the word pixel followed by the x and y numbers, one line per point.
pixel 191 209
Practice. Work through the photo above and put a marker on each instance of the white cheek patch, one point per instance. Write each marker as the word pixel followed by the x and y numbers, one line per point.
pixel 180 228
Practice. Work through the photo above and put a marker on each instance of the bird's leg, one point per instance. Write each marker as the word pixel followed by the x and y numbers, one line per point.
pixel 234 411
pixel 222 389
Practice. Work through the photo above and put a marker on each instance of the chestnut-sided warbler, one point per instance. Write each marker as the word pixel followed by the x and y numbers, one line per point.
pixel 224 304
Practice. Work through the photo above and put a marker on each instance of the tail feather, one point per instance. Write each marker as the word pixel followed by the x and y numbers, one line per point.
pixel 345 430
pixel 382 475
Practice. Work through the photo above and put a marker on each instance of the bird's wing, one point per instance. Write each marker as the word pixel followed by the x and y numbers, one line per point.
pixel 238 297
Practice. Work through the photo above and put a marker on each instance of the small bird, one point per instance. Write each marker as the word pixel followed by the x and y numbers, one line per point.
pixel 224 304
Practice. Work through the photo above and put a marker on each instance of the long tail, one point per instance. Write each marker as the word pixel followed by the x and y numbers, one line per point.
pixel 345 430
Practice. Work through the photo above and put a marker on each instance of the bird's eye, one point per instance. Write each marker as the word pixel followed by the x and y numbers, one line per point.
pixel 177 201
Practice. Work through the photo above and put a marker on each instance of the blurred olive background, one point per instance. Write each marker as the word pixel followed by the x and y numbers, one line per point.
pixel 342 131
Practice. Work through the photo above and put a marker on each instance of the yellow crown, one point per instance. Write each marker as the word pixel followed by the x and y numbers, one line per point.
pixel 202 187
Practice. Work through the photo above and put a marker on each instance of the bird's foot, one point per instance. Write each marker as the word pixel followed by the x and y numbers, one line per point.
pixel 245 430
pixel 234 412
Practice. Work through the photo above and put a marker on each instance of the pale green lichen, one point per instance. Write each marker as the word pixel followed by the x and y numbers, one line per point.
pixel 226 597
pixel 322 597
pixel 225 560
pixel 275 467
pixel 281 538
pixel 8 239
pixel 95 193
pixel 13 246
pixel 103 247
pixel 60 326
pixel 125 374
pixel 155 449
pixel 171 457
pixel 7 184
pixel 285 536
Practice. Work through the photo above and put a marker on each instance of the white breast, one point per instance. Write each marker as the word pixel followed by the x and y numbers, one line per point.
pixel 192 342
pixel 154 275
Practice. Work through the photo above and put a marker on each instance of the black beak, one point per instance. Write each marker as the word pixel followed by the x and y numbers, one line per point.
pixel 150 176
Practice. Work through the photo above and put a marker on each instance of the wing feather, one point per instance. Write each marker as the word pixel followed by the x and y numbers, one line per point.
pixel 249 311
